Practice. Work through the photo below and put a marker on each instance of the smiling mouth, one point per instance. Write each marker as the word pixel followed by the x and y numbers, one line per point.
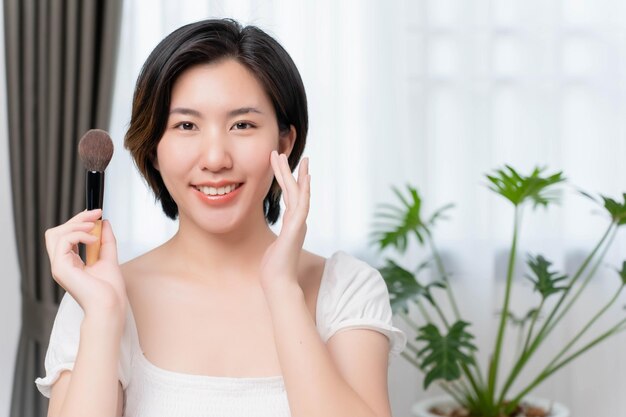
pixel 213 191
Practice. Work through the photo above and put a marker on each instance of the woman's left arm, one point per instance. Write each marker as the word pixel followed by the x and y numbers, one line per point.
pixel 347 377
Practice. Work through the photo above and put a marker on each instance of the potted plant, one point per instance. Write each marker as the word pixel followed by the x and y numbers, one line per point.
pixel 444 348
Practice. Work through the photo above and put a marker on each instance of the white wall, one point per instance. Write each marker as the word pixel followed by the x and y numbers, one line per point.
pixel 9 279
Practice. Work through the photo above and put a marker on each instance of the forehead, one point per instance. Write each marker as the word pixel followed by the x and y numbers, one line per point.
pixel 222 85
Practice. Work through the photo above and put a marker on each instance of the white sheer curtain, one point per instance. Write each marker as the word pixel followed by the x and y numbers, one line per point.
pixel 436 93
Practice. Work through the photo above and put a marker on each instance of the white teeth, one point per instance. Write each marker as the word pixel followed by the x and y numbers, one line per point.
pixel 217 191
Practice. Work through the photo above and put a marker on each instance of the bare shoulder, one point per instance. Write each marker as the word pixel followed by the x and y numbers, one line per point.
pixel 312 266
pixel 312 259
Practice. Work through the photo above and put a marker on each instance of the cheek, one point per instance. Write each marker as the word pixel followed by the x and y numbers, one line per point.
pixel 172 158
pixel 258 166
pixel 256 159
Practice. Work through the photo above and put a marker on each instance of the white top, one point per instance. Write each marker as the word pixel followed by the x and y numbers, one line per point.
pixel 352 295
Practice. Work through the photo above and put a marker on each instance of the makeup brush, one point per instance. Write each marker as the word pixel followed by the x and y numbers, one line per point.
pixel 95 149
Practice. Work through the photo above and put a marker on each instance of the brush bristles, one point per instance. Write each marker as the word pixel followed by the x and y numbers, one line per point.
pixel 96 150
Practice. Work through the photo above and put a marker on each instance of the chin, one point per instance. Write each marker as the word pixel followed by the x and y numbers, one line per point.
pixel 218 226
pixel 220 223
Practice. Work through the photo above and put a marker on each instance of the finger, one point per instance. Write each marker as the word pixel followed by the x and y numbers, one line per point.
pixel 66 245
pixel 275 161
pixel 290 182
pixel 303 170
pixel 73 227
pixel 68 227
pixel 304 198
pixel 53 235
pixel 86 215
pixel 108 248
pixel 304 185
pixel 66 242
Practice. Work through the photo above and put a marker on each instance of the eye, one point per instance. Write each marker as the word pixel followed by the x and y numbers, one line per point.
pixel 242 126
pixel 185 126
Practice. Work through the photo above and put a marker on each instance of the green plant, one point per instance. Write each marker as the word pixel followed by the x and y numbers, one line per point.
pixel 444 348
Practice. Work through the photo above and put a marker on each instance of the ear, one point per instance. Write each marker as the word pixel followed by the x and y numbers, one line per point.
pixel 155 163
pixel 286 141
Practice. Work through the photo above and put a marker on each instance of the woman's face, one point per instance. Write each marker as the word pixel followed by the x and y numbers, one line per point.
pixel 214 156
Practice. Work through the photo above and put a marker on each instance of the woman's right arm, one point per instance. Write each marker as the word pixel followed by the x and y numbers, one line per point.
pixel 59 391
pixel 92 387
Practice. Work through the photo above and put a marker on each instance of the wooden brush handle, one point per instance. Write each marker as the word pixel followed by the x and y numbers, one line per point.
pixel 93 249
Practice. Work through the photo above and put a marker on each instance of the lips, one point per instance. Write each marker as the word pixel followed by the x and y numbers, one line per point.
pixel 217 199
pixel 215 184
pixel 213 191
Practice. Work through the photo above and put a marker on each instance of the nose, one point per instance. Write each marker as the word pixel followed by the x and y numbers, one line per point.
pixel 215 153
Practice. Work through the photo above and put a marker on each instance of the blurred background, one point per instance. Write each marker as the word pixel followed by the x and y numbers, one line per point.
pixel 435 93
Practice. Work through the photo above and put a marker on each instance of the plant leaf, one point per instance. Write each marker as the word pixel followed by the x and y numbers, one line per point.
pixel 443 356
pixel 518 188
pixel 439 214
pixel 622 273
pixel 403 286
pixel 396 224
pixel 545 281
pixel 616 210
pixel 521 321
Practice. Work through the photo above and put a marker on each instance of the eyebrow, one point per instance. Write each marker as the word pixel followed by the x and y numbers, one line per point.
pixel 243 110
pixel 232 113
pixel 185 111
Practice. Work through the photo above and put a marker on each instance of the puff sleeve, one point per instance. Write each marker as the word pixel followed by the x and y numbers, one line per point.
pixel 354 296
pixel 63 346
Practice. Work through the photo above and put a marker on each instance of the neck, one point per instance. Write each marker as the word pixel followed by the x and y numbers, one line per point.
pixel 235 255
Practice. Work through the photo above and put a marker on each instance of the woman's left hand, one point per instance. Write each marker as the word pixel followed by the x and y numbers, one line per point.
pixel 279 266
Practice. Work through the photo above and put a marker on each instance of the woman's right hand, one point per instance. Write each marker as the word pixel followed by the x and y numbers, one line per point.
pixel 99 288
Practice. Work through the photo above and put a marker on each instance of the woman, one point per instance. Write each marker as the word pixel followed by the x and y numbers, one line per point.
pixel 226 318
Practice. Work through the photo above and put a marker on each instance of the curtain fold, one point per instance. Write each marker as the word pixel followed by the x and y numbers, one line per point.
pixel 60 58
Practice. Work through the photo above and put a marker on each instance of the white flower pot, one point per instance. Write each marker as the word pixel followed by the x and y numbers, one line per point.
pixel 420 408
